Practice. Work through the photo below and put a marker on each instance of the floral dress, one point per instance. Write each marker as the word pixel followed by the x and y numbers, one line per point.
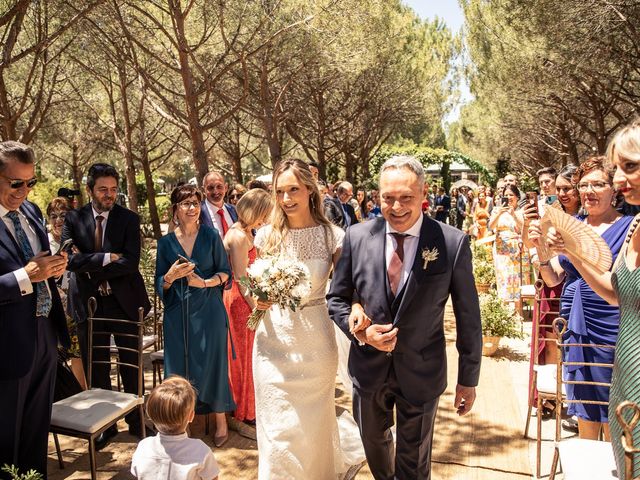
pixel 506 257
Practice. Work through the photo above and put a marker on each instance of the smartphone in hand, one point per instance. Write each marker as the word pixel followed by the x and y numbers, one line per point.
pixel 67 244
pixel 182 259
pixel 532 201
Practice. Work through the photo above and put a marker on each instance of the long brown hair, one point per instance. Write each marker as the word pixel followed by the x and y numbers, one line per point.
pixel 279 222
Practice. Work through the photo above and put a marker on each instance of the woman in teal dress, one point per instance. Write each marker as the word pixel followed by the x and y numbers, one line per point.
pixel 621 287
pixel 191 270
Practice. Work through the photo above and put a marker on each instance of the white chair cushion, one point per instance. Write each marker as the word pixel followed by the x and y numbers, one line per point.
pixel 157 356
pixel 546 379
pixel 528 291
pixel 582 459
pixel 148 341
pixel 91 410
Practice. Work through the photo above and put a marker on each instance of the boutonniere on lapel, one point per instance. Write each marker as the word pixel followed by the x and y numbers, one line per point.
pixel 429 256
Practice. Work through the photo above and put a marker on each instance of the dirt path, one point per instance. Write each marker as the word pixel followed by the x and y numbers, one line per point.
pixel 487 444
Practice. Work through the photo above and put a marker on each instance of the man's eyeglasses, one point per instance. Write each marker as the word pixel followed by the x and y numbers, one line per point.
pixel 596 186
pixel 15 183
pixel 187 204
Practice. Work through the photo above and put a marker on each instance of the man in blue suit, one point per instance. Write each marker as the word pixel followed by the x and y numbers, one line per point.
pixel 443 205
pixel 32 319
pixel 214 212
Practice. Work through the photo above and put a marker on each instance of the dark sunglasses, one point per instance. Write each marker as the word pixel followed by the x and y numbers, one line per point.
pixel 15 184
pixel 236 195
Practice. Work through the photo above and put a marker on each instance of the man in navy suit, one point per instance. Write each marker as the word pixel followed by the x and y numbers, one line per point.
pixel 443 205
pixel 398 352
pixel 214 212
pixel 32 319
pixel 338 210
pixel 105 261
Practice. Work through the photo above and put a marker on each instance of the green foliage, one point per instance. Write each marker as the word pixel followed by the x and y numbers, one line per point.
pixel 45 191
pixel 498 320
pixel 429 156
pixel 148 264
pixel 163 205
pixel 16 475
pixel 484 270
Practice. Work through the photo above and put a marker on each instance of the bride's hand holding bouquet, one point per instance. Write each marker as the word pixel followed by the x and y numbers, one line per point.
pixel 275 280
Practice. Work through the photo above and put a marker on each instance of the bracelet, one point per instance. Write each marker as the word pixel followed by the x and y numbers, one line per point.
pixel 219 278
pixel 545 263
pixel 167 281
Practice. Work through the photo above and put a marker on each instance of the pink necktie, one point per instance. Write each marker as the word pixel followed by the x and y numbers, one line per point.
pixel 395 266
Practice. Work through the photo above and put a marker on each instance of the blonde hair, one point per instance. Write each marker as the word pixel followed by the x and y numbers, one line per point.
pixel 626 142
pixel 279 224
pixel 171 404
pixel 254 205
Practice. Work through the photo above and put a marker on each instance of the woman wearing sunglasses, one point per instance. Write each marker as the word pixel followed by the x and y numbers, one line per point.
pixel 56 213
pixel 236 194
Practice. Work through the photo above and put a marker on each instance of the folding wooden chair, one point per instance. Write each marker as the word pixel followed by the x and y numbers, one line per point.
pixel 627 436
pixel 544 379
pixel 579 458
pixel 89 413
pixel 157 356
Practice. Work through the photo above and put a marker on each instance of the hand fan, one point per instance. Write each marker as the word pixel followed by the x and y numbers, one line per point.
pixel 581 240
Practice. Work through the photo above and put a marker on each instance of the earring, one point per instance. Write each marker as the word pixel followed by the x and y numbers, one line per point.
pixel 313 204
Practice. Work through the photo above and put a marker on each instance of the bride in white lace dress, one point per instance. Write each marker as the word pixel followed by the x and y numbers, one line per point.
pixel 295 356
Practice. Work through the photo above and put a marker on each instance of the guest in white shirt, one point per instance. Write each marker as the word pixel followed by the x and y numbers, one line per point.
pixel 214 212
pixel 171 454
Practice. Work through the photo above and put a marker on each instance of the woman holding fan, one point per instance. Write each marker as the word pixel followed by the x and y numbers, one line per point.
pixel 591 320
pixel 621 287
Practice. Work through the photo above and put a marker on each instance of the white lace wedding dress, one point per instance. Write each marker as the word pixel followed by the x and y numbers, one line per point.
pixel 295 359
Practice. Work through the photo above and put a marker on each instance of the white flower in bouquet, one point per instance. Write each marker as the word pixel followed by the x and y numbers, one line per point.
pixel 281 281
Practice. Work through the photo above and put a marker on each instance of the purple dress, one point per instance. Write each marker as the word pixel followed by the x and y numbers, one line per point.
pixel 591 320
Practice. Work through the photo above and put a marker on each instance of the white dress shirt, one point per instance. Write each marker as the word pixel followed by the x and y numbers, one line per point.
pixel 215 218
pixel 26 288
pixel 173 457
pixel 410 248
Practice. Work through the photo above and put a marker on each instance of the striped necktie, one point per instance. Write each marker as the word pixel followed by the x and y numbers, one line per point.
pixel 43 305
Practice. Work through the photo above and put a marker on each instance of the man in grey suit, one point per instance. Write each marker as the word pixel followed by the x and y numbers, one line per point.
pixel 398 350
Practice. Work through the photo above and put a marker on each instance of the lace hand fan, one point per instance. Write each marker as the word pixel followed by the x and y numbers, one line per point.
pixel 581 240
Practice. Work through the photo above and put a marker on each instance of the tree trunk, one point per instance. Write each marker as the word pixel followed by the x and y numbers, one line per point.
pixel 126 146
pixel 148 179
pixel 190 96
pixel 76 174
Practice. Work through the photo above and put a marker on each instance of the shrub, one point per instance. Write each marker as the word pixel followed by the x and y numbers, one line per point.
pixel 483 267
pixel 499 320
pixel 15 474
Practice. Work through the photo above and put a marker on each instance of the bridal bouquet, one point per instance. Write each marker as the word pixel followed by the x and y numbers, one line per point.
pixel 278 280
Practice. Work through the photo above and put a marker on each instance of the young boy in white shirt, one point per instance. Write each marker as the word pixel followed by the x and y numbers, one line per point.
pixel 171 454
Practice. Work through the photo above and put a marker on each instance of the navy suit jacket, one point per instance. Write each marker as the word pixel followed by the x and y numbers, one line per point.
pixel 122 235
pixel 445 202
pixel 205 218
pixel 419 359
pixel 18 312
